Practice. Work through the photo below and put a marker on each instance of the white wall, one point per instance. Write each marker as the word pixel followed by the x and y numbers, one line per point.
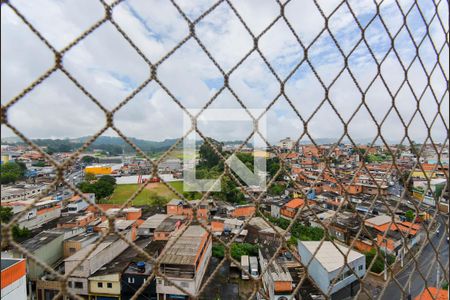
pixel 39 220
pixel 322 277
pixel 16 290
pixel 190 285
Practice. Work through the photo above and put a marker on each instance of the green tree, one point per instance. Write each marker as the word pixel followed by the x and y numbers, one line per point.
pixel 89 159
pixel 157 200
pixel 293 241
pixel 237 250
pixel 89 177
pixel 11 172
pixel 20 234
pixel 109 179
pixel 208 157
pixel 438 191
pixel 192 195
pixel 276 189
pixel 230 191
pixel 218 251
pixel 378 265
pixel 6 213
pixel 409 215
pixel 102 188
pixel 273 165
pixel 39 164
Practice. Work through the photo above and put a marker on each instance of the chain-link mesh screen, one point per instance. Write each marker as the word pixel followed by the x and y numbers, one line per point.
pixel 402 40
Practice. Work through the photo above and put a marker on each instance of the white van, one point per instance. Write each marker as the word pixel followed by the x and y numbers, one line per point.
pixel 254 270
pixel 245 266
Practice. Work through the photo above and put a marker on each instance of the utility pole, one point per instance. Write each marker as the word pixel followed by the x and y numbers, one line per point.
pixel 385 267
pixel 402 254
pixel 409 290
pixel 437 276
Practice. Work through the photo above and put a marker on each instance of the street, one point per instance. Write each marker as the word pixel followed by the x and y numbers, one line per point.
pixel 425 266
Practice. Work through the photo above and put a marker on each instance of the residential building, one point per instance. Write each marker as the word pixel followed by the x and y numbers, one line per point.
pixel 147 228
pixel 75 244
pixel 120 225
pixel 77 221
pixel 128 213
pixel 327 266
pixel 168 228
pixel 185 263
pixel 122 276
pixel 13 279
pixel 41 213
pixel 46 247
pixel 105 252
pixel 48 285
pixel 180 208
pixel 20 192
pixel 289 210
pixel 78 204
pixel 433 293
pixel 219 224
pixel 277 281
pixel 243 211
pixel 134 276
pixel 286 144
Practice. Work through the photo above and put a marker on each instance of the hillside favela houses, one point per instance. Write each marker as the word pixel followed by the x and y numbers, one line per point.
pixel 342 203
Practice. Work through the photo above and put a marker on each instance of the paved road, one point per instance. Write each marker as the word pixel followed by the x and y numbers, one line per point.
pixel 425 266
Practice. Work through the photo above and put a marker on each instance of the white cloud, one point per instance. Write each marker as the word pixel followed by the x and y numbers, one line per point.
pixel 110 69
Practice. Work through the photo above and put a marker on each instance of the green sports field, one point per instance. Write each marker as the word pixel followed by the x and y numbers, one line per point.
pixel 124 191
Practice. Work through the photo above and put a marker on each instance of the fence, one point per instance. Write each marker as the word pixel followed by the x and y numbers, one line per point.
pixel 422 25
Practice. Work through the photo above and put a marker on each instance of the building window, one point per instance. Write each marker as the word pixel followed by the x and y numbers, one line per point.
pixel 184 284
pixel 167 283
pixel 109 285
pixel 78 285
pixel 69 283
pixel 80 268
pixel 130 279
pixel 160 281
pixel 72 250
pixel 100 284
pixel 360 268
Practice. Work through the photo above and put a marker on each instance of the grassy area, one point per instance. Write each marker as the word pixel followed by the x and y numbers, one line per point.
pixel 124 191
pixel 177 153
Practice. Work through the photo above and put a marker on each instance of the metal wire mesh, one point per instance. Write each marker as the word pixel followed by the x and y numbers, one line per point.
pixel 439 50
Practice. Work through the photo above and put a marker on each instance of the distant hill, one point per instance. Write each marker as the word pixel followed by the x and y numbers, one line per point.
pixel 145 145
pixel 116 145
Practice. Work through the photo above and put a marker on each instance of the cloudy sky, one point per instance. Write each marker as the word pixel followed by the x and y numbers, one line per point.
pixel 110 69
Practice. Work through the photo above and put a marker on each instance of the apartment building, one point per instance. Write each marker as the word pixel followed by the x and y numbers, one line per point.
pixel 327 266
pixel 185 263
pixel 286 144
pixel 13 279
pixel 105 252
